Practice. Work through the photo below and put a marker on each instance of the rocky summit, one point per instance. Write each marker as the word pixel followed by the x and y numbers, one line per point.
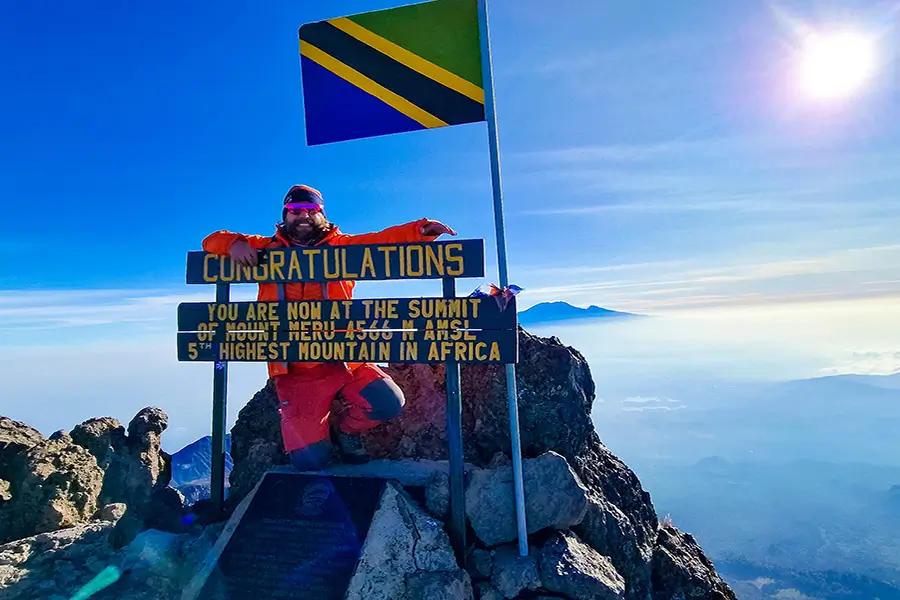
pixel 93 511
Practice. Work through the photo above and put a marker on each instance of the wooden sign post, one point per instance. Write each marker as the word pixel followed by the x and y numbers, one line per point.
pixel 446 329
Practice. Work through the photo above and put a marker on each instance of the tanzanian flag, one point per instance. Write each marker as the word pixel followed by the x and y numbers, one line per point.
pixel 390 71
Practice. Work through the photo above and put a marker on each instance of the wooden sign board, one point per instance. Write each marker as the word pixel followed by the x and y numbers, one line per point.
pixel 362 262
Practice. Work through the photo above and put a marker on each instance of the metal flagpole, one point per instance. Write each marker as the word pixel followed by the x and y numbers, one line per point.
pixel 494 145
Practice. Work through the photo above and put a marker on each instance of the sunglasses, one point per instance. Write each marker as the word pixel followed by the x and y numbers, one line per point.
pixel 295 208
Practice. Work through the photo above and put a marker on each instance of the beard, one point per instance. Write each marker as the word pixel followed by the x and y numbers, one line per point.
pixel 305 232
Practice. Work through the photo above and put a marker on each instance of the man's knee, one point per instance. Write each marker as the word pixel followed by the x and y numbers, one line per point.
pixel 385 397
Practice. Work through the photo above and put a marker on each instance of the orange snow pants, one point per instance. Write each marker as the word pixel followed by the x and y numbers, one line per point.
pixel 366 396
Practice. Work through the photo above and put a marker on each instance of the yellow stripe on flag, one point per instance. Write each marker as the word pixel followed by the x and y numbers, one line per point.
pixel 408 59
pixel 367 85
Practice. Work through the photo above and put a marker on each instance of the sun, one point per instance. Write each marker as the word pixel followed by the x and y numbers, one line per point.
pixel 835 65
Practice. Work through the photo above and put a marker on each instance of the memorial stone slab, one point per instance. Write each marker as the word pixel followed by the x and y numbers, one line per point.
pixel 295 536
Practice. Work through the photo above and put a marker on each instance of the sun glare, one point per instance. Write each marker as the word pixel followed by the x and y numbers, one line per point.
pixel 836 65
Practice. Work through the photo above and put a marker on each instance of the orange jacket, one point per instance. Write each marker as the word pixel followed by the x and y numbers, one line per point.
pixel 220 242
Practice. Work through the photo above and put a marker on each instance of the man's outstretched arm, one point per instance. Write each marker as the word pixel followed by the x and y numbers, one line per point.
pixel 241 248
pixel 423 230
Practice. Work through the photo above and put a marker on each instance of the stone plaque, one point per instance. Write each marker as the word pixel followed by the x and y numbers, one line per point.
pixel 298 536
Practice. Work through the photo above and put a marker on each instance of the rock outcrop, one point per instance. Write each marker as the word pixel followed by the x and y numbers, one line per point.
pixel 52 485
pixel 605 527
pixel 59 564
pixel 98 468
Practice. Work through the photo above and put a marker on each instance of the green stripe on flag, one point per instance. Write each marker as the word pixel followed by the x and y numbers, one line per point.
pixel 444 32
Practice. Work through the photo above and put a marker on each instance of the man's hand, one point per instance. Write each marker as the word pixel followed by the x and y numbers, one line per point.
pixel 436 228
pixel 243 254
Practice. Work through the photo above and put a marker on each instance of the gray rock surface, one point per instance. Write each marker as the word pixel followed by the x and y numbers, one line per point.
pixel 52 485
pixel 403 541
pixel 480 564
pixel 437 496
pixel 442 585
pixel 512 573
pixel 58 564
pixel 681 569
pixel 256 442
pixel 579 572
pixel 112 512
pixel 16 437
pixel 485 591
pixel 554 497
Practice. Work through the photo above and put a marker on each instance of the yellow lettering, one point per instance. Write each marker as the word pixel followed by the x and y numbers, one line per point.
pixel 479 351
pixel 295 273
pixel 454 272
pixel 392 309
pixel 347 305
pixel 368 262
pixel 251 312
pixel 460 351
pixel 335 311
pixel 368 305
pixel 206 270
pixel 408 325
pixel 386 250
pixel 222 276
pixel 261 272
pixel 212 311
pixel 413 309
pixel 337 269
pixel 192 351
pixel 495 351
pixel 347 274
pixel 412 350
pixel 311 254
pixel 276 261
pixel 410 255
pixel 446 349
pixel 240 351
pixel 384 352
pixel 433 353
pixel 476 304
pixel 435 259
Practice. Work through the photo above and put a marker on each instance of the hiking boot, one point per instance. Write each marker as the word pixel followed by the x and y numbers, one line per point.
pixel 352 450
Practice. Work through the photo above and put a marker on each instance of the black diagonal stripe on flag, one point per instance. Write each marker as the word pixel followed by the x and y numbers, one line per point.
pixel 429 95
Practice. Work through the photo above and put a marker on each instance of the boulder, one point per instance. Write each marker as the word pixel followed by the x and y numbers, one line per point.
pixel 680 568
pixel 136 471
pixel 480 564
pixel 16 437
pixel 554 497
pixel 406 551
pixel 441 585
pixel 485 591
pixel 513 573
pixel 156 565
pixel 577 571
pixel 256 443
pixel 52 485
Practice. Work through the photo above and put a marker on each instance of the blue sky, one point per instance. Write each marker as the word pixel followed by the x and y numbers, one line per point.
pixel 656 156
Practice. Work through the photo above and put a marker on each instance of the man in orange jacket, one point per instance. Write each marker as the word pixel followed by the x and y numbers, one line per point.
pixel 306 391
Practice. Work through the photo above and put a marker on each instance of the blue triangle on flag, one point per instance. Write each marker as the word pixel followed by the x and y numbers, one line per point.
pixel 336 110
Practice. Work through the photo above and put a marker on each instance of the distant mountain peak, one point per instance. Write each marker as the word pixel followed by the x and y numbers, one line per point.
pixel 545 312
